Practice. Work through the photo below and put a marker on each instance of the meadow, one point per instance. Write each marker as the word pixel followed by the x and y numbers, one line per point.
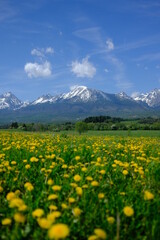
pixel 57 186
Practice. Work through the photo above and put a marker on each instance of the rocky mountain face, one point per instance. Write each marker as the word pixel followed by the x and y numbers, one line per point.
pixel 78 103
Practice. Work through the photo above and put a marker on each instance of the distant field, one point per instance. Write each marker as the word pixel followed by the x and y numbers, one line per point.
pixel 137 133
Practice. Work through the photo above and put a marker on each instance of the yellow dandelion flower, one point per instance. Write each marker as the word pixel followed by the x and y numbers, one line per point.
pixel 76 212
pixel 128 211
pixel 77 178
pixel 28 186
pixel 93 237
pixel 19 218
pixel 58 231
pixel 101 195
pixel 148 195
pixel 125 172
pixel 52 197
pixel 6 221
pixel 27 166
pixel 77 158
pixel 79 191
pixel 89 178
pixel 44 223
pixel 100 233
pixel 53 207
pixel 50 182
pixel 56 188
pixel 38 212
pixel 10 196
pixel 94 183
pixel 64 206
pixel 110 220
pixel 71 200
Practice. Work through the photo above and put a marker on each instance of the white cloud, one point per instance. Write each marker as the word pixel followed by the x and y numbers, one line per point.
pixel 49 50
pixel 83 69
pixel 110 44
pixel 38 70
pixel 42 51
pixel 37 52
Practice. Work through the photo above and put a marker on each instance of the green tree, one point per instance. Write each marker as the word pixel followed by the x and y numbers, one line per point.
pixel 81 127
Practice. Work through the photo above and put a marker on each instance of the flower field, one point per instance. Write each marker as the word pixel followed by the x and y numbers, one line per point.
pixel 79 187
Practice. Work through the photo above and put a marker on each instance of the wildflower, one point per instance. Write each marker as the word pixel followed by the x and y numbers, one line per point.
pixel 10 196
pixel 52 197
pixel 71 200
pixel 18 217
pixel 28 186
pixel 94 183
pixel 148 195
pixel 128 211
pixel 100 233
pixel 38 212
pixel 125 172
pixel 77 178
pixel 89 178
pixel 93 237
pixel 27 166
pixel 84 169
pixel 53 207
pixel 76 212
pixel 56 188
pixel 79 191
pixel 44 223
pixel 50 182
pixel 6 221
pixel 101 195
pixel 64 206
pixel 58 231
pixel 77 158
pixel 110 220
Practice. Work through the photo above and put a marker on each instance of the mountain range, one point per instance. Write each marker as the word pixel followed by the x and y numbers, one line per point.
pixel 80 102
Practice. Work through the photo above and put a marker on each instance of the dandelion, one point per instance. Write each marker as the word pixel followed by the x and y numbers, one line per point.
pixel 76 212
pixel 77 158
pixel 28 186
pixel 56 188
pixel 1 189
pixel 44 223
pixel 19 218
pixel 52 197
pixel 50 182
pixel 71 200
pixel 94 183
pixel 53 207
pixel 100 233
pixel 110 220
pixel 101 195
pixel 58 231
pixel 125 172
pixel 10 196
pixel 79 191
pixel 93 237
pixel 148 195
pixel 38 212
pixel 64 206
pixel 77 178
pixel 6 221
pixel 128 211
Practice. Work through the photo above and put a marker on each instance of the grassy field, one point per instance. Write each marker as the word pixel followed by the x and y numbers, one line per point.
pixel 100 185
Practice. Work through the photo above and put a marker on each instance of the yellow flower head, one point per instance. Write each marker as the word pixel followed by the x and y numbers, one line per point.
pixel 6 221
pixel 76 212
pixel 28 186
pixel 79 191
pixel 52 197
pixel 100 233
pixel 77 158
pixel 125 172
pixel 128 211
pixel 10 196
pixel 56 188
pixel 18 217
pixel 50 181
pixel 44 223
pixel 110 220
pixel 77 178
pixel 38 212
pixel 58 231
pixel 101 195
pixel 148 195
pixel 94 183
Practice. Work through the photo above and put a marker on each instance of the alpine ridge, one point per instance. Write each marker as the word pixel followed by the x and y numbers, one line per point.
pixel 78 103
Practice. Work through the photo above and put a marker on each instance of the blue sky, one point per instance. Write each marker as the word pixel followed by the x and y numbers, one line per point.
pixel 49 46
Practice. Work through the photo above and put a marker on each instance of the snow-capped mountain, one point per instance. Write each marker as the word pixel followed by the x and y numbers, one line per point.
pixel 152 98
pixel 9 101
pixel 123 95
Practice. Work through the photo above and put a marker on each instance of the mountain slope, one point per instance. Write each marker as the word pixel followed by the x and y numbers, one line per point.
pixel 9 101
pixel 152 98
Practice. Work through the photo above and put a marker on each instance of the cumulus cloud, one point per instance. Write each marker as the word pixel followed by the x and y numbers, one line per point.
pixel 110 44
pixel 37 52
pixel 35 70
pixel 83 69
